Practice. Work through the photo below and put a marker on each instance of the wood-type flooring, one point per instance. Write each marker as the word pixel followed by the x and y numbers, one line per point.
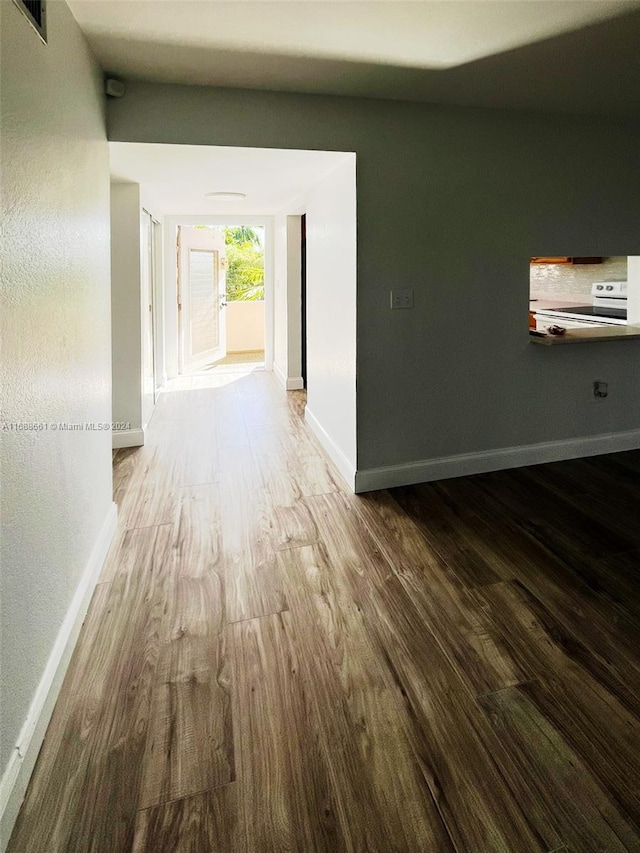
pixel 270 663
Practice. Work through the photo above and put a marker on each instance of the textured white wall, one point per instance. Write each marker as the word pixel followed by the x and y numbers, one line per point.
pixel 56 353
pixel 126 304
pixel 452 202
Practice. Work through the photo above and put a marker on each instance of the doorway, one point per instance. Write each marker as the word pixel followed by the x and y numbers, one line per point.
pixel 221 295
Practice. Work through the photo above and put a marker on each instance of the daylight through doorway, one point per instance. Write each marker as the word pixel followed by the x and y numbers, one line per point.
pixel 221 297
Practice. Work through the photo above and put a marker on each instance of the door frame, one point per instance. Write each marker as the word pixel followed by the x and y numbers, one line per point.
pixel 303 299
pixel 158 304
pixel 171 281
pixel 151 283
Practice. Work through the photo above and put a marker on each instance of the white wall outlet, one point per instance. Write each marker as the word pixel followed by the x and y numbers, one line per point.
pixel 600 390
pixel 401 298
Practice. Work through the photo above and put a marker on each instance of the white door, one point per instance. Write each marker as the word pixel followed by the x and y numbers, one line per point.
pixel 201 297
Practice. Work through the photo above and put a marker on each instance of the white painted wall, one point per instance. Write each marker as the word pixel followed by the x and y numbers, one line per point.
pixel 331 314
pixel 330 207
pixel 452 202
pixel 287 302
pixel 280 296
pixel 132 360
pixel 126 305
pixel 633 279
pixel 294 300
pixel 57 512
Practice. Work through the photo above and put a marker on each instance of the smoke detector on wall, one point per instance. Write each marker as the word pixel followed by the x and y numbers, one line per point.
pixel 114 88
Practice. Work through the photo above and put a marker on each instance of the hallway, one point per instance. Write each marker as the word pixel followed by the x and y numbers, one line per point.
pixel 270 663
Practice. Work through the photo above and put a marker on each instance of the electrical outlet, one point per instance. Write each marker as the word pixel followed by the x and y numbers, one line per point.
pixel 600 390
pixel 401 298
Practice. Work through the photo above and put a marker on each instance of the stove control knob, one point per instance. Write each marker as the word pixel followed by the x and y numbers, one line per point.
pixel 609 287
pixel 599 287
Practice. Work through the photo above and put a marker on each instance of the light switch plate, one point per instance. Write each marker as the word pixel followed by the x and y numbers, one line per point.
pixel 401 298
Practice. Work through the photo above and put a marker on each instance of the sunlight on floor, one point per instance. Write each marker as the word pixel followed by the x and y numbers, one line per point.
pixel 220 373
pixel 249 356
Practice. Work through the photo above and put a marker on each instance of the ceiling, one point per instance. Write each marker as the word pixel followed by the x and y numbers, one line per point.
pixel 576 55
pixel 176 177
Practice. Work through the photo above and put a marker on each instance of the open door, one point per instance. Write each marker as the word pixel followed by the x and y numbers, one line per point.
pixel 201 296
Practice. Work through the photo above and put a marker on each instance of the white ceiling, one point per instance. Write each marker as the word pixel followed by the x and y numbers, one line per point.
pixel 551 55
pixel 176 177
pixel 427 34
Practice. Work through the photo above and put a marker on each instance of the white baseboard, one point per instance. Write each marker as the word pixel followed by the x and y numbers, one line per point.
pixel 291 383
pixel 15 778
pixel 443 468
pixel 280 376
pixel 336 455
pixel 127 438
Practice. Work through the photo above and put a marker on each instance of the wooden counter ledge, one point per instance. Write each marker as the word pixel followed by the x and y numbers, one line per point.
pixel 586 336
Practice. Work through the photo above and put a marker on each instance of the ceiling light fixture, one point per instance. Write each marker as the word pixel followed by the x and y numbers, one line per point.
pixel 225 196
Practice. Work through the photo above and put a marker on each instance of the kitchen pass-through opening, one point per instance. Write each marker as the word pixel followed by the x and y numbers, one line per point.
pixel 569 293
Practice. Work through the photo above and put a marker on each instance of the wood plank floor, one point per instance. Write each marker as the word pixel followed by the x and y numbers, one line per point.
pixel 270 663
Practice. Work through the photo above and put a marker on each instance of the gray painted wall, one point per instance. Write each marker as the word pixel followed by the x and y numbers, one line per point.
pixel 56 353
pixel 451 202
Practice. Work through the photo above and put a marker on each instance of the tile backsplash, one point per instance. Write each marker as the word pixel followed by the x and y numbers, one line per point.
pixel 560 279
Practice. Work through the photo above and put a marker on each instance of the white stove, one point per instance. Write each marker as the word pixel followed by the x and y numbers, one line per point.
pixel 608 305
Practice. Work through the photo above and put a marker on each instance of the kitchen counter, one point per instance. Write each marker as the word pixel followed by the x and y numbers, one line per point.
pixel 578 332
pixel 586 333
